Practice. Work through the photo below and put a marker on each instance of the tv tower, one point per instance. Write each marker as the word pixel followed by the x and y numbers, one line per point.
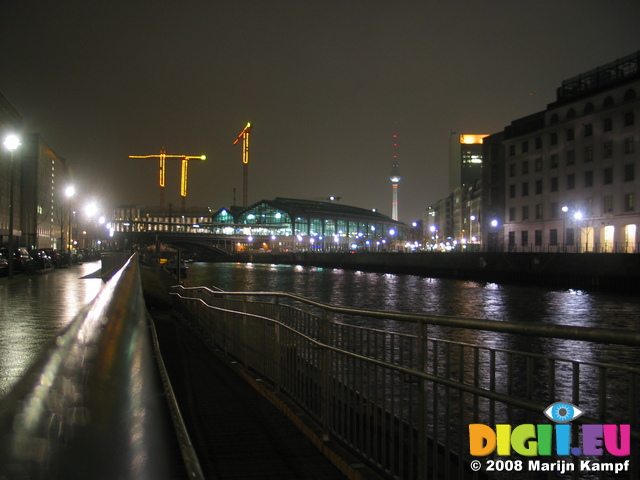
pixel 395 178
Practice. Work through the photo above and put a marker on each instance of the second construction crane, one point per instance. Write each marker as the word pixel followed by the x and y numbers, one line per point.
pixel 244 136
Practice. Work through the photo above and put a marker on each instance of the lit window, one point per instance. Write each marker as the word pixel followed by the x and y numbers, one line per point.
pixel 629 205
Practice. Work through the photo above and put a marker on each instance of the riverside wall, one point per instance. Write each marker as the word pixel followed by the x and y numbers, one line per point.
pixel 583 270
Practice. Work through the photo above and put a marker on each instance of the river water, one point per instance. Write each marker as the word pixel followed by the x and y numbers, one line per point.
pixel 470 299
pixel 451 297
pixel 424 295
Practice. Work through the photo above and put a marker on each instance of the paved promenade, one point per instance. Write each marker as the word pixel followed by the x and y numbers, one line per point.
pixel 237 433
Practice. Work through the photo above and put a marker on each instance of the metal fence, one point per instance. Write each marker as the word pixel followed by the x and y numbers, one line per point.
pixel 401 390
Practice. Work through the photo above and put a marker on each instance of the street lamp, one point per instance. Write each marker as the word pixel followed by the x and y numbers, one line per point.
pixel 11 143
pixel 472 219
pixel 434 233
pixel 70 191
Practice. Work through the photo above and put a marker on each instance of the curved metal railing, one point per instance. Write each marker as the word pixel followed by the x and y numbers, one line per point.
pixel 399 397
pixel 91 406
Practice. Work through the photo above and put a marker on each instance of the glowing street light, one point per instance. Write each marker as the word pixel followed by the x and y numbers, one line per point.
pixel 91 209
pixel 11 143
pixel 69 192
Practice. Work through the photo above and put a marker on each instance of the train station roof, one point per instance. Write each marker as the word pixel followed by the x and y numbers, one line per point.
pixel 296 207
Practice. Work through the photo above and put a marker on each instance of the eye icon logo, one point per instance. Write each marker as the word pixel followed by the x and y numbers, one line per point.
pixel 562 412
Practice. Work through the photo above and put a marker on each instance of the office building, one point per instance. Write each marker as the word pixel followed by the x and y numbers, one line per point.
pixel 571 171
pixel 465 159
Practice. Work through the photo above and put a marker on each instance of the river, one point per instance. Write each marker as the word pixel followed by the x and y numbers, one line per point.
pixel 440 296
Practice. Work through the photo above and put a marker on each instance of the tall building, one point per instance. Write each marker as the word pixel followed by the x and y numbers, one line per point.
pixel 39 208
pixel 45 209
pixel 491 219
pixel 571 180
pixel 465 159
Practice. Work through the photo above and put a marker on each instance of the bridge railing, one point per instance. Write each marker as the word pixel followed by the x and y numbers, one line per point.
pixel 91 406
pixel 401 390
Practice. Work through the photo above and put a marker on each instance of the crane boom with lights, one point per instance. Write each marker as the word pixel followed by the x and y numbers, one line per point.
pixel 244 136
pixel 162 173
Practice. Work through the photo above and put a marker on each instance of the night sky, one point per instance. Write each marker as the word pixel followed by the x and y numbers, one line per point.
pixel 326 85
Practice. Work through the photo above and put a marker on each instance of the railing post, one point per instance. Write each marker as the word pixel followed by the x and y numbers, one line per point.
pixel 423 414
pixel 324 375
pixel 242 337
pixel 277 360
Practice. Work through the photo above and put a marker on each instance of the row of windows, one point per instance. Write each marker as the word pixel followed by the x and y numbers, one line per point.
pixel 628 205
pixel 589 107
pixel 628 119
pixel 570 157
pixel 569 238
pixel 628 175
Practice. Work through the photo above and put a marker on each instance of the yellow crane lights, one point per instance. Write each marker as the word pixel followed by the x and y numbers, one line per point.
pixel 162 156
pixel 244 136
pixel 185 166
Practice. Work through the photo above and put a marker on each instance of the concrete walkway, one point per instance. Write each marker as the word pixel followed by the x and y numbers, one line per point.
pixel 237 433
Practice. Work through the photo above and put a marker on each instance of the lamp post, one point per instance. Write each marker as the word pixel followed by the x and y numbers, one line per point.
pixel 70 191
pixel 565 209
pixel 11 143
pixel 434 234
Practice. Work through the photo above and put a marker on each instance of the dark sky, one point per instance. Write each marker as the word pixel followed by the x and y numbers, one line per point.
pixel 326 85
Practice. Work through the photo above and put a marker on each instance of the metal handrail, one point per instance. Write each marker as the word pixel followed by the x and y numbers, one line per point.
pixel 403 400
pixel 589 334
pixel 90 407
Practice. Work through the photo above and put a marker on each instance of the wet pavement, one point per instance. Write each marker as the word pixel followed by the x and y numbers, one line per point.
pixel 34 308
pixel 237 432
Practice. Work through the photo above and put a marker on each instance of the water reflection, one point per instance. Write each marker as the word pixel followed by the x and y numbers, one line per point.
pixel 410 293
pixel 34 309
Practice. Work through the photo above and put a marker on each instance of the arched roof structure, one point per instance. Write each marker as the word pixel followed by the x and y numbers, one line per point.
pixel 289 216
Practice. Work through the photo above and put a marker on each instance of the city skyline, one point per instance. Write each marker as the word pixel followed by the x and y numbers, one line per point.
pixel 324 84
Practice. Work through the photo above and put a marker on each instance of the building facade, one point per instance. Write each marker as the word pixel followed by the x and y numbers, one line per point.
pixel 454 222
pixel 571 171
pixel 40 209
pixel 45 211
pixel 465 159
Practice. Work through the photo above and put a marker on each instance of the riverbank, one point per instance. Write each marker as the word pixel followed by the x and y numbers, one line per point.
pixel 610 271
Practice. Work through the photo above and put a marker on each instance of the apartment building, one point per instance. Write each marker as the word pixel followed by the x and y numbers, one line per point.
pixel 571 179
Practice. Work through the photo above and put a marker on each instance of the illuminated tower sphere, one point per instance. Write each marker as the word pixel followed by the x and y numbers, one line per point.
pixel 395 178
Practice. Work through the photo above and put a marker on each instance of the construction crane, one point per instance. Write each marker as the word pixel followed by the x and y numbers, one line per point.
pixel 244 136
pixel 183 181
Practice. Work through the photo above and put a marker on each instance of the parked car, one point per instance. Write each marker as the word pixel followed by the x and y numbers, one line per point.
pixel 4 265
pixel 53 255
pixel 41 259
pixel 22 261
